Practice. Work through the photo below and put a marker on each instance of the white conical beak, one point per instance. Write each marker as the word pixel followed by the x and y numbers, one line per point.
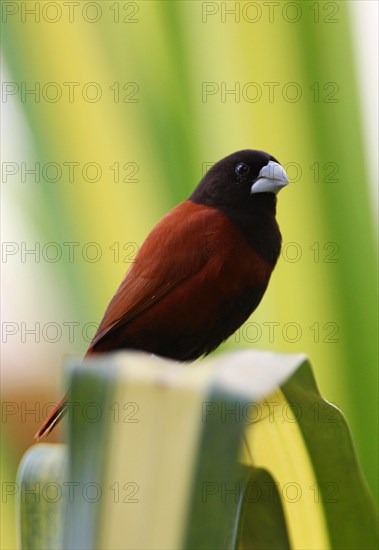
pixel 271 179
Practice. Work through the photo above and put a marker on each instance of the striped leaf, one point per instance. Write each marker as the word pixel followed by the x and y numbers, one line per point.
pixel 240 453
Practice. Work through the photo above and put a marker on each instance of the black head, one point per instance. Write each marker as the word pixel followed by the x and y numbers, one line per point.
pixel 239 181
pixel 244 187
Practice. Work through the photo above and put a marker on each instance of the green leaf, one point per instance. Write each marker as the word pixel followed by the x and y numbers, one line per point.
pixel 41 482
pixel 240 452
pixel 340 487
pixel 262 522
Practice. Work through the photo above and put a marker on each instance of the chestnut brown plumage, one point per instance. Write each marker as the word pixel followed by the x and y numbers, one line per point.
pixel 202 270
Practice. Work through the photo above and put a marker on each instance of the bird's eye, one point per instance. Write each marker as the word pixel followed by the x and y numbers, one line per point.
pixel 242 169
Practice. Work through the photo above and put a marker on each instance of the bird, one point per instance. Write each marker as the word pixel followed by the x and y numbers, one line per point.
pixel 201 271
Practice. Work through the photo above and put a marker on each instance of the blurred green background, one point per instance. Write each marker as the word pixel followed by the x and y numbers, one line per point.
pixel 113 110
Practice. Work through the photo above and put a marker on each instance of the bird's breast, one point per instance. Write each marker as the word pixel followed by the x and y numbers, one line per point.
pixel 229 284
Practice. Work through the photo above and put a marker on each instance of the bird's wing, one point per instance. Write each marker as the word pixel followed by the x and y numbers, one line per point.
pixel 174 251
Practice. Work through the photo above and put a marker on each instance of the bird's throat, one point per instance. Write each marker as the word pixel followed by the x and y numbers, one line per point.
pixel 259 227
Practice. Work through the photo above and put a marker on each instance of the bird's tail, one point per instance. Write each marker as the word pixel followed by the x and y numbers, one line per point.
pixel 57 413
pixel 55 416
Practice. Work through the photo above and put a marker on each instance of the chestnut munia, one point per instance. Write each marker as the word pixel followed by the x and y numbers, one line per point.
pixel 202 270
